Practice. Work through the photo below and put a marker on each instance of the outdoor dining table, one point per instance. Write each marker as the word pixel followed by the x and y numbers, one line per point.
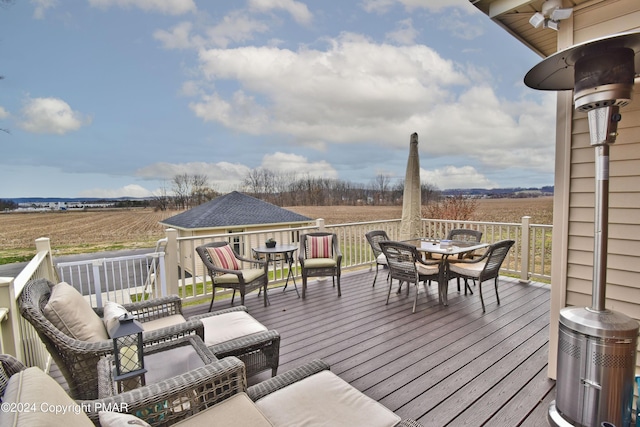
pixel 286 250
pixel 445 248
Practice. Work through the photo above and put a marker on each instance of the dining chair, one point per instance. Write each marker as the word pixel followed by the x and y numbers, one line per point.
pixel 406 265
pixel 225 267
pixel 374 238
pixel 484 268
pixel 320 256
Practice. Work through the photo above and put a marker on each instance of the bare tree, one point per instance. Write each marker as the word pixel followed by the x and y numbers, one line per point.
pixel 456 207
pixel 381 188
pixel 181 187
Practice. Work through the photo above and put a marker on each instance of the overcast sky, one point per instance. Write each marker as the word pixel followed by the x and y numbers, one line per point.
pixel 109 98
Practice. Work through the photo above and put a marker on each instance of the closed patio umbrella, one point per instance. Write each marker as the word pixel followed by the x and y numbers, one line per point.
pixel 410 225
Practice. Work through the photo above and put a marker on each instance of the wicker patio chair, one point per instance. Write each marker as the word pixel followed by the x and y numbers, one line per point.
pixel 77 359
pixel 406 265
pixel 224 266
pixel 374 237
pixel 320 256
pixel 481 269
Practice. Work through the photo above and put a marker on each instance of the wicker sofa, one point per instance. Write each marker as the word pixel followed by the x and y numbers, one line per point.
pixel 77 355
pixel 215 395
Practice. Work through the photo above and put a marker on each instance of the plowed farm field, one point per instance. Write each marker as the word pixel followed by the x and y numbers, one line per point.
pixel 91 231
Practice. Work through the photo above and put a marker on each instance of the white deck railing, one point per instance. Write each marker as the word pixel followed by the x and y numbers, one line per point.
pixel 175 268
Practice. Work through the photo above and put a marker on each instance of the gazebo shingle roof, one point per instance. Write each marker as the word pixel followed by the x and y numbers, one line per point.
pixel 233 209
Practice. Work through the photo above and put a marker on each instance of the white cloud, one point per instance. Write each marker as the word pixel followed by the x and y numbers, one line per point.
pixel 356 90
pixel 179 37
pixel 405 34
pixel 50 115
pixel 236 27
pixel 3 113
pixel 222 176
pixel 298 11
pixel 168 7
pixel 456 177
pixel 41 6
pixel 288 163
pixel 131 190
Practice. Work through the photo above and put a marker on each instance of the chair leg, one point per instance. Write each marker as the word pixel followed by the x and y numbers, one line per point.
pixel 481 299
pixel 266 298
pixel 213 296
pixel 304 286
pixel 233 296
pixel 389 293
pixel 376 276
pixel 339 290
pixel 415 300
pixel 467 287
pixel 497 297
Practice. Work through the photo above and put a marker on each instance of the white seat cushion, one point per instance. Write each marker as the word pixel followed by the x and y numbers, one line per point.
pixel 224 327
pixel 327 400
pixel 381 259
pixel 40 395
pixel 426 270
pixel 249 275
pixel 163 322
pixel 471 269
pixel 71 313
pixel 319 262
pixel 236 411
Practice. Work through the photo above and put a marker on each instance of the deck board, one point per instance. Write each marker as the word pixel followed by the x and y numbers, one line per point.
pixel 449 365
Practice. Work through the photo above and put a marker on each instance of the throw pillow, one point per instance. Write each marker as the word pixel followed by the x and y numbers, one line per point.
pixel 71 313
pixel 112 312
pixel 223 257
pixel 320 246
pixel 119 419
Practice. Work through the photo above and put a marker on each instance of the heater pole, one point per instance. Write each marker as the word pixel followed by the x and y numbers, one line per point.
pixel 601 221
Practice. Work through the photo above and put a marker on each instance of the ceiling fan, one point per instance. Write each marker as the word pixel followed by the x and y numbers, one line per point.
pixel 550 15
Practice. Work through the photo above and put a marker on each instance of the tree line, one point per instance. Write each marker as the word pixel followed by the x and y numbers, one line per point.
pixel 291 189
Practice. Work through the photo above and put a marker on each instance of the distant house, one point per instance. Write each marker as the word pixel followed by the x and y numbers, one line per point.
pixel 235 213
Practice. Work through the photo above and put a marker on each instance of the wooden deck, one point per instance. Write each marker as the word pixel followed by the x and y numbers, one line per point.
pixel 441 366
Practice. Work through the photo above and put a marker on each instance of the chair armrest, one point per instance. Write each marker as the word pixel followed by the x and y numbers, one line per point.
pixel 469 260
pixel 246 343
pixel 151 309
pixel 251 261
pixel 11 365
pixel 178 330
pixel 280 381
pixel 168 401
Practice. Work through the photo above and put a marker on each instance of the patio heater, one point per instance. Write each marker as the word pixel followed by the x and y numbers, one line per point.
pixel 597 346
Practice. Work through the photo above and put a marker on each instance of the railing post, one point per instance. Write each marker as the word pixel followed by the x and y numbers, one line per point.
pixel 10 327
pixel 44 244
pixel 320 224
pixel 524 249
pixel 97 283
pixel 171 257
